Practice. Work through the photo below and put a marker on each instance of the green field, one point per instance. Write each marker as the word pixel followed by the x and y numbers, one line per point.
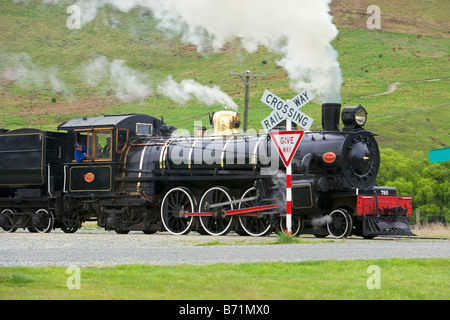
pixel 405 279
pixel 370 60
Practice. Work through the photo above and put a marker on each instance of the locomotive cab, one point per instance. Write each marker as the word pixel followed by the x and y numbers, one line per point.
pixel 104 140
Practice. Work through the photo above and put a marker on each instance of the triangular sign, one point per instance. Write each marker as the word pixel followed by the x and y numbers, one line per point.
pixel 287 143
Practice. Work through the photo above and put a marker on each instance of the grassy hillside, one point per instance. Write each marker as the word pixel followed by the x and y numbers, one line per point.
pixel 426 17
pixel 412 46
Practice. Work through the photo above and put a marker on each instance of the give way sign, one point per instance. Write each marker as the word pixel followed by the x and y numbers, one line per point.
pixel 287 143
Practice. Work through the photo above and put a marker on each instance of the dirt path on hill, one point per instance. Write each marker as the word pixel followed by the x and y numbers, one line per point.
pixel 392 87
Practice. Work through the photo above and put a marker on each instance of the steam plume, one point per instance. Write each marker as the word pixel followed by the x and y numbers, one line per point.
pixel 20 68
pixel 320 222
pixel 301 30
pixel 188 89
pixel 127 83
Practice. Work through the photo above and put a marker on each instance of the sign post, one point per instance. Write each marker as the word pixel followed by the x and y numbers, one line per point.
pixel 289 185
pixel 287 142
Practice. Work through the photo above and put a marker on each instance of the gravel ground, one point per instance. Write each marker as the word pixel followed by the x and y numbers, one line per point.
pixel 101 248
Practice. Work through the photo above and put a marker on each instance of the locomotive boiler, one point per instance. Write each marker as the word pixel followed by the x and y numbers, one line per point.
pixel 140 175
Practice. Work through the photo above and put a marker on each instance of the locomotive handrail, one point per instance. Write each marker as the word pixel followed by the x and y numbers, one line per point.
pixel 151 144
pixel 84 162
pixel 20 151
pixel 166 172
pixel 65 179
pixel 183 178
pixel 49 187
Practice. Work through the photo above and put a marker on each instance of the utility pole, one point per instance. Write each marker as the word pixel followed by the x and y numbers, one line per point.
pixel 247 78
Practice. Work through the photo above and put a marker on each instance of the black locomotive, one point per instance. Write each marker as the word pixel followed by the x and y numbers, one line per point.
pixel 139 175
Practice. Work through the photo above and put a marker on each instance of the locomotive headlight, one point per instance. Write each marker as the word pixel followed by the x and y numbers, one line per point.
pixel 354 116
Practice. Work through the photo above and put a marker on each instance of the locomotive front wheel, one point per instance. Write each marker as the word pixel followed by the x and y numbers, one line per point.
pixel 219 223
pixel 254 225
pixel 341 224
pixel 70 223
pixel 175 204
pixel 297 225
pixel 7 217
pixel 43 221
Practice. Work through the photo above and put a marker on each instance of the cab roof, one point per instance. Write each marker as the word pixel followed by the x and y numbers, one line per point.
pixel 122 121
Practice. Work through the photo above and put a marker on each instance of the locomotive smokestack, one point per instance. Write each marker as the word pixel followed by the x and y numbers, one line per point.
pixel 330 116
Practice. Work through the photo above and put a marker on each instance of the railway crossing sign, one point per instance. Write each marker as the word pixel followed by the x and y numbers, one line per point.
pixel 287 143
pixel 286 110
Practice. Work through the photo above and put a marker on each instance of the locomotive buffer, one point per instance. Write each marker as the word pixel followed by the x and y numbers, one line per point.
pixel 287 142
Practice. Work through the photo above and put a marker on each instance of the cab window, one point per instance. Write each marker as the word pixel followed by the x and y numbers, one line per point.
pixel 102 142
pixel 122 139
pixel 85 139
pixel 144 129
pixel 98 144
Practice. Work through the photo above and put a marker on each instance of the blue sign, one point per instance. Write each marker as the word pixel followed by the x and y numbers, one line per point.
pixel 439 155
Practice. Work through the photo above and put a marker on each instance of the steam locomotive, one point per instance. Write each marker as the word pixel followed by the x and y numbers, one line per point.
pixel 140 175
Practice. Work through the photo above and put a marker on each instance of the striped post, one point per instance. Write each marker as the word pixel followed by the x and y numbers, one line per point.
pixel 289 200
pixel 289 189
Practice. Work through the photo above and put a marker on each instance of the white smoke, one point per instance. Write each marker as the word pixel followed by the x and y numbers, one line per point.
pixel 188 89
pixel 128 84
pixel 301 30
pixel 20 68
pixel 322 221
